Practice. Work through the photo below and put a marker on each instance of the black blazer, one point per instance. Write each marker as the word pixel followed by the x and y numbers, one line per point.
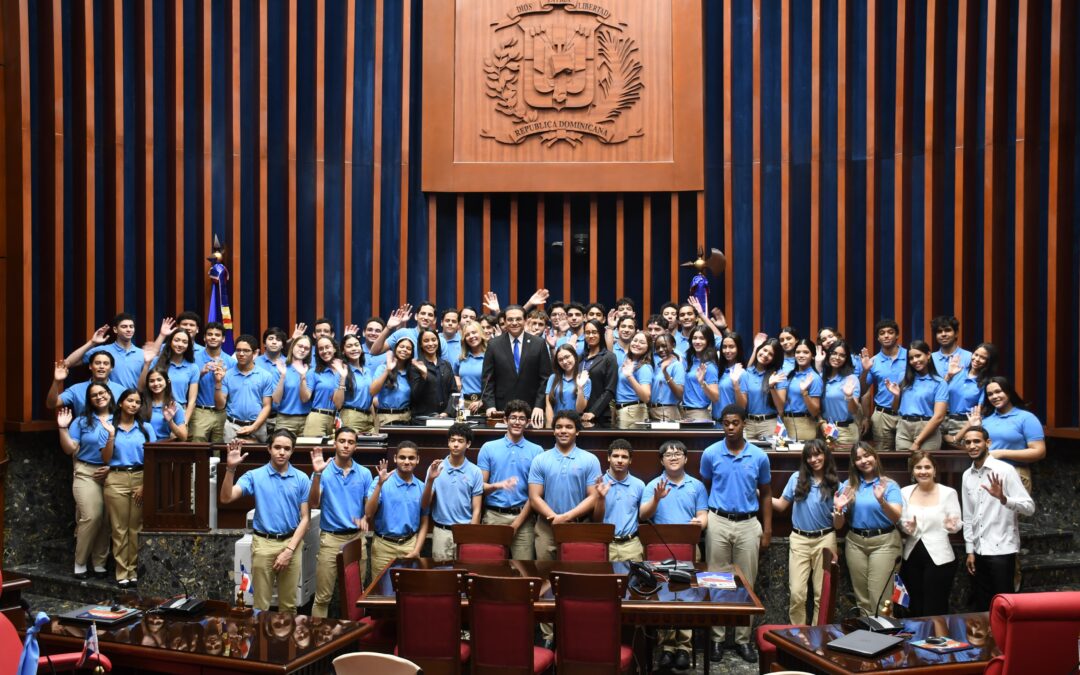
pixel 504 383
pixel 431 395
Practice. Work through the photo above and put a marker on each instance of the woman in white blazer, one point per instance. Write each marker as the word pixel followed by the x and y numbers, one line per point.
pixel 931 513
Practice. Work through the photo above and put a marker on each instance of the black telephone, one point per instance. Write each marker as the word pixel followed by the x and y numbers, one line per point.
pixel 643 578
pixel 182 604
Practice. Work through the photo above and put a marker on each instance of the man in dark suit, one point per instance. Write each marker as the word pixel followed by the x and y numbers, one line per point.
pixel 516 365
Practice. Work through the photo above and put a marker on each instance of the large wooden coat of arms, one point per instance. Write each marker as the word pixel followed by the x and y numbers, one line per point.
pixel 560 95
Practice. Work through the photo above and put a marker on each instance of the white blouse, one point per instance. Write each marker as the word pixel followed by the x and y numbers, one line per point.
pixel 930 525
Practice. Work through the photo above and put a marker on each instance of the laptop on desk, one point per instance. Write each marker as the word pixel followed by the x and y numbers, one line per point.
pixel 865 643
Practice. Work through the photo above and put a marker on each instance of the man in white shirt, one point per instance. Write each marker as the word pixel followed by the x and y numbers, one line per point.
pixel 993 499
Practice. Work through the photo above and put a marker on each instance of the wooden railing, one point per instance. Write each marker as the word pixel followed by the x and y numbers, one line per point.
pixel 176 486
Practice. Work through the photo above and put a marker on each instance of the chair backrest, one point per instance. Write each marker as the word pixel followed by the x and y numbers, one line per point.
pixel 830 584
pixel 587 621
pixel 372 663
pixel 429 617
pixel 1036 632
pixel 351 574
pixel 10 646
pixel 502 624
pixel 661 541
pixel 483 542
pixel 583 542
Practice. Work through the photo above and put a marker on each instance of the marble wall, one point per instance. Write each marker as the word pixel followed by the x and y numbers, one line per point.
pixel 39 510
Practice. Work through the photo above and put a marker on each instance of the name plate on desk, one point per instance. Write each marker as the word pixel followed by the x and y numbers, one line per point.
pixel 439 422
pixel 665 426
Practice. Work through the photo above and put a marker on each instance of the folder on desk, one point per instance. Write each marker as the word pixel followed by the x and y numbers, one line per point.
pixel 865 643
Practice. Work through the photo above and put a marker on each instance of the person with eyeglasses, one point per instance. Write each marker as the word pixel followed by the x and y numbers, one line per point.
pixel 504 464
pixel 244 392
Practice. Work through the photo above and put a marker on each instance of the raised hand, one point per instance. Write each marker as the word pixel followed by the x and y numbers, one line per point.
pixel 419 365
pixel 842 499
pixel 974 416
pixel 540 297
pixel 168 325
pixel 318 462
pixel 299 330
pixel 352 329
pixel 759 339
pixel 434 469
pixel 280 365
pixel 169 411
pixel 777 377
pixel 662 489
pixel 700 372
pixel 563 325
pixel 508 484
pixel 849 385
pixel 550 338
pixel 302 366
pixel 954 365
pixel 996 487
pixel 893 387
pixel 628 366
pixel 391 361
pixel 696 304
pixel 491 302
pixel 381 471
pixel 582 378
pixel 235 456
pixel 149 352
pixel 64 417
pixel 737 372
pixel 340 368
pixel 867 360
pixel 612 319
pixel 805 382
pixel 879 490
pixel 60 371
pixel 602 486
pixel 819 357
pixel 219 371
pixel 101 335
pixel 107 425
pixel 718 317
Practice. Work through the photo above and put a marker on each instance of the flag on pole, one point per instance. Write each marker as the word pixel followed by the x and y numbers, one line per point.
pixel 831 430
pixel 219 294
pixel 781 432
pixel 900 594
pixel 245 580
pixel 91 648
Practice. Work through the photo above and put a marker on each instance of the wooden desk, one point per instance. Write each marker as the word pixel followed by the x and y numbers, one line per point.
pixel 803 648
pixel 11 599
pixel 672 605
pixel 264 642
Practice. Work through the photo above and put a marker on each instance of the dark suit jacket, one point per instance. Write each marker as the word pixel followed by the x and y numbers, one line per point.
pixel 502 383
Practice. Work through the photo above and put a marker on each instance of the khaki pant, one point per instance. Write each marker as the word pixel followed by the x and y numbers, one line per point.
pixel 671 639
pixel 907 431
pixel 870 563
pixel 755 430
pixel 263 553
pixel 443 547
pixel 949 427
pixel 727 542
pixel 362 421
pixel 382 419
pixel 383 552
pixel 805 557
pixel 883 427
pixel 847 436
pixel 318 424
pixel 522 547
pixel 230 433
pixel 665 413
pixel 545 540
pixel 626 418
pixel 1024 471
pixel 697 413
pixel 626 550
pixel 125 518
pixel 294 423
pixel 207 426
pixel 91 526
pixel 801 429
pixel 326 570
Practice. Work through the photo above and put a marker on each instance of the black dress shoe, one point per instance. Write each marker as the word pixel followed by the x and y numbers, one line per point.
pixel 81 576
pixel 123 583
pixel 746 652
pixel 103 574
pixel 716 651
pixel 667 659
pixel 682 659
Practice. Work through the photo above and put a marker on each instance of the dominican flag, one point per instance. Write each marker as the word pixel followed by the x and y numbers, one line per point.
pixel 91 648
pixel 831 430
pixel 245 580
pixel 781 431
pixel 899 594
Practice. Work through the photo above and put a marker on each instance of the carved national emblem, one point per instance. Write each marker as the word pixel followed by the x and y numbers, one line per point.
pixel 562 70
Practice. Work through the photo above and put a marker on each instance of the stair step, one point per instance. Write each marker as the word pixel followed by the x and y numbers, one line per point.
pixel 1036 540
pixel 53 579
pixel 1050 570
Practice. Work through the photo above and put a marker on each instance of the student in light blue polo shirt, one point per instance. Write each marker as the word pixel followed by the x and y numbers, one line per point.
pixel 669 381
pixel 372 329
pixel 338 487
pixel 946 331
pixel 292 386
pixel 620 346
pixel 456 486
pixel 273 341
pixel 394 512
pixel 207 423
pixel 802 391
pixel 840 404
pixel 161 410
pixel 924 401
pixel 504 464
pixel 788 338
pixel 633 387
pixel 390 386
pixel 74 397
pixel 760 384
pixel 470 367
pixel 1016 435
pixel 331 385
pixel 282 516
pixel 356 410
pixel 737 473
pixel 177 358
pixel 618 501
pixel 731 357
pixel 244 392
pixel 888 365
pixel 702 385
pixel 450 337
pixel 809 491
pixel 128 359
pixel 569 387
pixel 394 332
pixel 966 390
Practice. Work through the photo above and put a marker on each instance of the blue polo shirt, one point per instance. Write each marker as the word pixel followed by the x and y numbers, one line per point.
pixel 814 512
pixel 834 405
pixel 161 427
pixel 91 437
pixel 883 368
pixel 278 497
pixel 727 392
pixel 361 394
pixel 619 351
pixel 325 384
pixel 128 445
pixel 399 506
pixel 865 513
pixel 454 489
pixel 127 363
pixel 411 333
pixel 693 394
pixel 371 362
pixel 1012 431
pixel 264 362
pixel 396 397
pixel 502 458
pixel 565 478
pixel 451 348
pixel 470 370
pixel 682 343
pixel 622 503
pixel 661 392
pixel 181 377
pixel 758 398
pixel 206 380
pixel 941 361
pixel 624 393
pixel 795 401
pixel 683 502
pixel 567 398
pixel 734 478
pixel 789 364
pixel 74 397
pixel 343 494
pixel 290 392
pixel 244 392
pixel 964 392
pixel 924 392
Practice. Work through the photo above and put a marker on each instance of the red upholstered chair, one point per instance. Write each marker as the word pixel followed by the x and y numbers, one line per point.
pixel 665 541
pixel 501 617
pixel 1036 632
pixel 583 542
pixel 351 575
pixel 830 582
pixel 483 542
pixel 588 623
pixel 429 618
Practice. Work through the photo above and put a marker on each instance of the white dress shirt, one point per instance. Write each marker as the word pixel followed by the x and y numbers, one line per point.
pixel 930 524
pixel 990 527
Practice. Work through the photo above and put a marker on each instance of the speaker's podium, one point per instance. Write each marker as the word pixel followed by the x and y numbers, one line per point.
pixel 305 587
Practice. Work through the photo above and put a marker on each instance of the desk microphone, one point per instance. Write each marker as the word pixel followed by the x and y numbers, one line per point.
pixel 879 623
pixel 675 572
